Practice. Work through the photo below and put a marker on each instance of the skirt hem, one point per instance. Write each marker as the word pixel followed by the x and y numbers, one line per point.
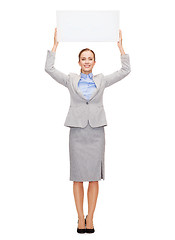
pixel 87 180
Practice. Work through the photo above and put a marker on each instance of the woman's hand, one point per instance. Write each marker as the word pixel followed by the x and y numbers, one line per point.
pixel 119 43
pixel 55 41
pixel 55 38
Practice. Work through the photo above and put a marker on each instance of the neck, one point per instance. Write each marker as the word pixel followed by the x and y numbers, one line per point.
pixel 87 72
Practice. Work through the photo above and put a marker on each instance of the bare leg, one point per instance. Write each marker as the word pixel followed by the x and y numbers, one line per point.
pixel 78 191
pixel 92 195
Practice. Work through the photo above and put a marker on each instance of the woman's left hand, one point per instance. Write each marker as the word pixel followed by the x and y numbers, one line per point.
pixel 119 43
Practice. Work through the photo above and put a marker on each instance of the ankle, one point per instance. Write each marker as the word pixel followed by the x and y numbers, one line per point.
pixel 81 217
pixel 90 216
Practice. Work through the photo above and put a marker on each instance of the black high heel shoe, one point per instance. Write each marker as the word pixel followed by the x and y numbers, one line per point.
pixel 89 230
pixel 81 230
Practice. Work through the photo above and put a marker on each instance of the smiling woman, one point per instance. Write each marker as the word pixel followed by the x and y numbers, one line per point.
pixel 86 60
pixel 86 118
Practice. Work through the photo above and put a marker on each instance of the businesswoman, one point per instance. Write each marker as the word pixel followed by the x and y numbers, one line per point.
pixel 86 119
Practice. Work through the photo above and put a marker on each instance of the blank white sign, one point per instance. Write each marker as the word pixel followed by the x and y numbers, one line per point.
pixel 87 26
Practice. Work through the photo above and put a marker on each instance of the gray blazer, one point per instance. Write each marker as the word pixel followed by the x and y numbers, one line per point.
pixel 81 110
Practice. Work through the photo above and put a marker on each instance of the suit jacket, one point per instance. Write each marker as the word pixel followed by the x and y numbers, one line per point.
pixel 81 110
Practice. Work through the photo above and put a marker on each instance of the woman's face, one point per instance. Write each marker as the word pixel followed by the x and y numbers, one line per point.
pixel 86 62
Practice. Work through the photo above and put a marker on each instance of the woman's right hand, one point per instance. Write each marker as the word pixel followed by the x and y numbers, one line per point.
pixel 55 41
pixel 55 38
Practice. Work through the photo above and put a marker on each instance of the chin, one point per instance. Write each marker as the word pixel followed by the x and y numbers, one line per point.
pixel 87 69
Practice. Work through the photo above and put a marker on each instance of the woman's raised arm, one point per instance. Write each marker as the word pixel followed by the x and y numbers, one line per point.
pixel 125 69
pixel 59 76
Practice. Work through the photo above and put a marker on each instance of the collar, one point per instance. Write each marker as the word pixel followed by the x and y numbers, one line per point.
pixel 83 75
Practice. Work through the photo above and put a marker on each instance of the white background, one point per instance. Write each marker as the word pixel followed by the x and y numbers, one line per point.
pixel 136 200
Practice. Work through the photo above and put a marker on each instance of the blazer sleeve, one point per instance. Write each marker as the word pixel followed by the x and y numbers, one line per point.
pixel 120 74
pixel 59 76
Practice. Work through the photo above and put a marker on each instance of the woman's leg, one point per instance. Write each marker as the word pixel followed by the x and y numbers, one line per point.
pixel 92 195
pixel 78 191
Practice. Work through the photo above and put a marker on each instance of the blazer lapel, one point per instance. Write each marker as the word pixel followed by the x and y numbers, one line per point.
pixel 97 81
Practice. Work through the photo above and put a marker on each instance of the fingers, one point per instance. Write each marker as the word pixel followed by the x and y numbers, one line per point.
pixel 55 37
pixel 120 34
pixel 119 42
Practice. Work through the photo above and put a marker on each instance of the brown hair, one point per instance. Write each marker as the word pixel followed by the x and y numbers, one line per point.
pixel 85 49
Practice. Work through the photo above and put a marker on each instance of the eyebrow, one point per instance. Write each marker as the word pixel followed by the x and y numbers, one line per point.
pixel 88 57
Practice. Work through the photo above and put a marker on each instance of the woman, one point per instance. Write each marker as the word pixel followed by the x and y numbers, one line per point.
pixel 86 119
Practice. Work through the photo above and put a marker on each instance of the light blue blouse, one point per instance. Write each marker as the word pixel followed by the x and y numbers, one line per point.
pixel 86 85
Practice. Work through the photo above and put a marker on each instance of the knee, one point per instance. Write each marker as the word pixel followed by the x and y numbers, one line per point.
pixel 93 182
pixel 78 182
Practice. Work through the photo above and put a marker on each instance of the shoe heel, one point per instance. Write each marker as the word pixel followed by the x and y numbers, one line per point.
pixel 81 230
pixel 89 230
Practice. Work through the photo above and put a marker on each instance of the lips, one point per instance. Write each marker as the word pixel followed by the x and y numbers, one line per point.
pixel 87 66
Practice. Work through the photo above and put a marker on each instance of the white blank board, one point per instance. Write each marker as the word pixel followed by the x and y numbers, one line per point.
pixel 87 26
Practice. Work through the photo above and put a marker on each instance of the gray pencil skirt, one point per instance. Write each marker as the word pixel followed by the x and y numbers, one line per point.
pixel 87 153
